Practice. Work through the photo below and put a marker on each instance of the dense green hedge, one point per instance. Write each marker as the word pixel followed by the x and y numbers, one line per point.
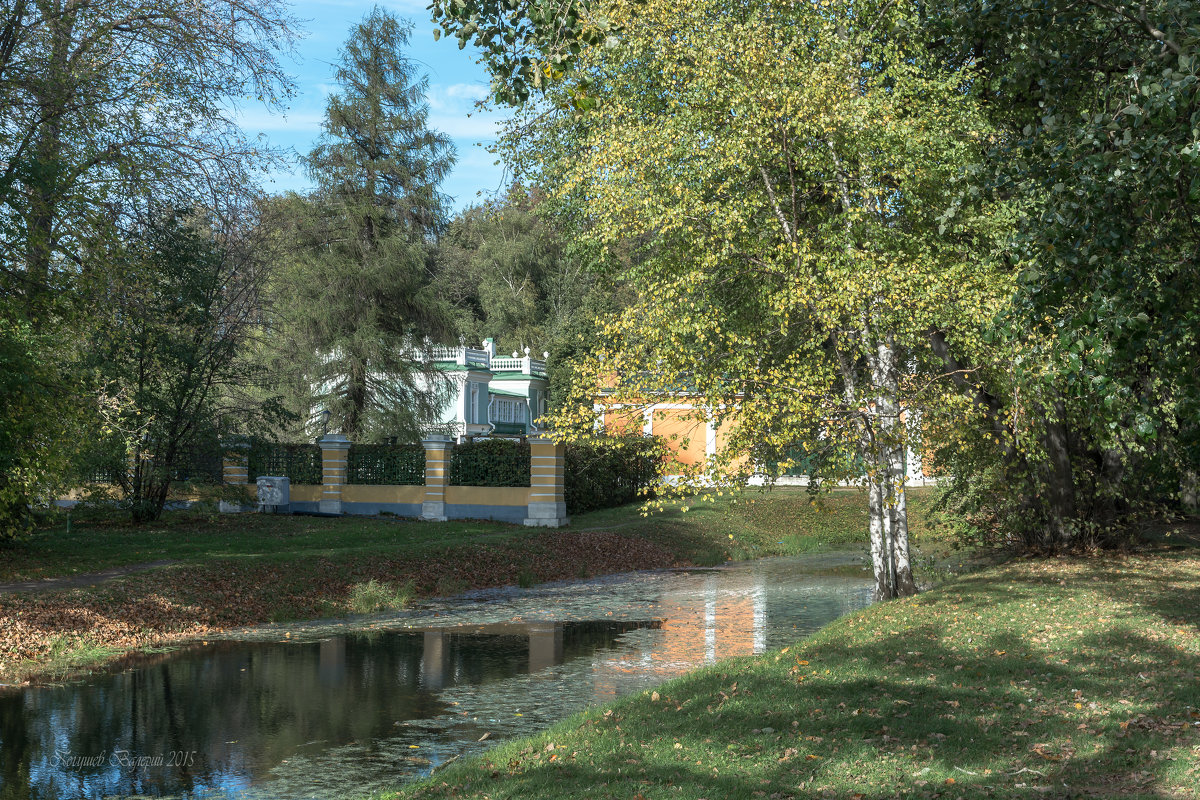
pixel 386 465
pixel 300 463
pixel 490 462
pixel 611 471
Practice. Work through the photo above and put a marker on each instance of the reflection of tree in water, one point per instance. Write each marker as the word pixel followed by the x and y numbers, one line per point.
pixel 342 715
pixel 240 709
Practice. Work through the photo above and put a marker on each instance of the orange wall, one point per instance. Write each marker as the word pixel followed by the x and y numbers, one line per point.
pixel 687 437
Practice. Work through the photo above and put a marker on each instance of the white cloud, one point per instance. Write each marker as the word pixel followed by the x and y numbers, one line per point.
pixel 454 111
pixel 467 91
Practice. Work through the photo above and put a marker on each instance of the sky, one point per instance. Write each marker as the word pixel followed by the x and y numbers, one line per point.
pixel 456 82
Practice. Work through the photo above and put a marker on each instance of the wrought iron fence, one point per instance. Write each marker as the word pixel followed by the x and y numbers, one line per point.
pixel 300 463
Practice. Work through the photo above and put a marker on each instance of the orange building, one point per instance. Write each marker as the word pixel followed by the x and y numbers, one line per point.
pixel 694 437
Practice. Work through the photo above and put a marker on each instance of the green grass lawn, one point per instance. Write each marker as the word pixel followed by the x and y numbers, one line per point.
pixel 1058 678
pixel 750 524
pixel 239 570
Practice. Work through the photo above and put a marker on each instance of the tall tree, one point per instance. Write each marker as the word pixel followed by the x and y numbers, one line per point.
pixel 510 274
pixel 110 106
pixel 167 342
pixel 790 221
pixel 110 110
pixel 356 303
pixel 1096 105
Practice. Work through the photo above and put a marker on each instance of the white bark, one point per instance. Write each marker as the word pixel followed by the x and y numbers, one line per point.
pixel 890 449
pixel 879 559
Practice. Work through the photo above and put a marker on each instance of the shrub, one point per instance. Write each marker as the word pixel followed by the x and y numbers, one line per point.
pixel 372 596
pixel 490 462
pixel 611 471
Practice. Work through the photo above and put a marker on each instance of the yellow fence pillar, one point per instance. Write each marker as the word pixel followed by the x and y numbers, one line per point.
pixel 334 449
pixel 437 474
pixel 235 472
pixel 547 505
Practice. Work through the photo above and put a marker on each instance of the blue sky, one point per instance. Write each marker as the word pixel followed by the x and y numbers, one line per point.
pixel 455 83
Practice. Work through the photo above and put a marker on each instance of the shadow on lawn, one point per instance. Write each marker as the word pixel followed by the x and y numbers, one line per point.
pixel 1036 702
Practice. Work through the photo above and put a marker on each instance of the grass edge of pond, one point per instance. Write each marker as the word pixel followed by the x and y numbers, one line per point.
pixel 1028 677
pixel 737 527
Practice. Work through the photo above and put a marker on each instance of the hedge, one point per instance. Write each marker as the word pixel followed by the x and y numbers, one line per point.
pixel 612 471
pixel 386 465
pixel 490 462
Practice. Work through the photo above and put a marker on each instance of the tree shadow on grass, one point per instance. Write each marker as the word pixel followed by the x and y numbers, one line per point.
pixel 1035 701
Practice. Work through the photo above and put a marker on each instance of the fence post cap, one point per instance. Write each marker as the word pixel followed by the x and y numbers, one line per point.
pixel 436 438
pixel 542 440
pixel 334 441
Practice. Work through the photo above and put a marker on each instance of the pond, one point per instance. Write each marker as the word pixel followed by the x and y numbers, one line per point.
pixel 346 708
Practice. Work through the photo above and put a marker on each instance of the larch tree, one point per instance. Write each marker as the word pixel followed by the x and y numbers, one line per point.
pixel 355 300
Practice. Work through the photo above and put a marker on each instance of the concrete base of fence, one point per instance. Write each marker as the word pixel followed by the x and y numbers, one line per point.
pixel 433 511
pixel 371 509
pixel 547 515
pixel 514 514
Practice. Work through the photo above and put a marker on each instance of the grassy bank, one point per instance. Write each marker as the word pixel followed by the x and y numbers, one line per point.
pixel 1066 678
pixel 236 570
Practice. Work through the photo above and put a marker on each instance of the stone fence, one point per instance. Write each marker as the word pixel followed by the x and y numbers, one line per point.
pixel 540 504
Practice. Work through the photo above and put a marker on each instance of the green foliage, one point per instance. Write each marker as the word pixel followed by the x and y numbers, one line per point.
pixel 300 463
pixel 112 107
pixel 490 462
pixel 526 44
pixel 1092 418
pixel 611 471
pixel 36 430
pixel 511 275
pixel 165 344
pixel 112 114
pixel 386 464
pixel 794 226
pixel 504 271
pixel 353 296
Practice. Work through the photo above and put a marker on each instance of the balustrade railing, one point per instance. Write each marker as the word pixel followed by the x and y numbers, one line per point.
pixel 526 366
pixel 466 356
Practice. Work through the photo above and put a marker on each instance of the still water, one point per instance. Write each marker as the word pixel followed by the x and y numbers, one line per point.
pixel 322 711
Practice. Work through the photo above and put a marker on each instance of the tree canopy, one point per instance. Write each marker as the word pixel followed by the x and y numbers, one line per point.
pixel 354 297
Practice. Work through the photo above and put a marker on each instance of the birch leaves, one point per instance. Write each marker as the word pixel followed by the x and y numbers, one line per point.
pixel 781 184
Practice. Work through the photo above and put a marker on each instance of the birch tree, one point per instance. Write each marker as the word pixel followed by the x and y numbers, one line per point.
pixel 781 184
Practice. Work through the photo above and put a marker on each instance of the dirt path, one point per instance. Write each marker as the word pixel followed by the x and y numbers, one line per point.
pixel 79 581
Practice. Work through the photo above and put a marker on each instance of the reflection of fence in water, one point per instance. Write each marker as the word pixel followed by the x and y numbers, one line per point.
pixel 447 651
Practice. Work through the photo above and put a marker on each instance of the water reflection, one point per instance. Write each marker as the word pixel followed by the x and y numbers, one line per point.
pixel 359 712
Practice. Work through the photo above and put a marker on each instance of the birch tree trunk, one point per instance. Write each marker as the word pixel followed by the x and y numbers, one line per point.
pixel 890 468
pixel 879 550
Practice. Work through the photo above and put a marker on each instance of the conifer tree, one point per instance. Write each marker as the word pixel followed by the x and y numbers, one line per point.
pixel 356 301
